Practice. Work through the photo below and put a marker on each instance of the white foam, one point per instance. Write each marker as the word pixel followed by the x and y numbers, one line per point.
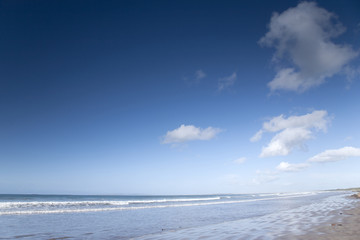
pixel 287 194
pixel 59 204
pixel 174 200
pixel 139 207
pixel 6 205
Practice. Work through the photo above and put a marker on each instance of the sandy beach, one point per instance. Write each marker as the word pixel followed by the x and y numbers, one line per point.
pixel 343 225
pixel 302 215
pixel 305 223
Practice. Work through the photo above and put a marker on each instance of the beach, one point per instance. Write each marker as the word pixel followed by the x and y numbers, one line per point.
pixel 343 225
pixel 301 215
pixel 305 223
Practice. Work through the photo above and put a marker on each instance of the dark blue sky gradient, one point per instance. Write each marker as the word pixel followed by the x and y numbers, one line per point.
pixel 95 84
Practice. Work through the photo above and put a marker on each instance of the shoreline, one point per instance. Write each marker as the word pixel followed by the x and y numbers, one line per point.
pixel 316 221
pixel 343 225
pixel 319 215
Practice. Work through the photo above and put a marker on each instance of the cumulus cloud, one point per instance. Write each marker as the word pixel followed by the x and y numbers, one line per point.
pixel 285 141
pixel 303 35
pixel 334 155
pixel 291 132
pixel 291 167
pixel 227 82
pixel 189 133
pixel 240 160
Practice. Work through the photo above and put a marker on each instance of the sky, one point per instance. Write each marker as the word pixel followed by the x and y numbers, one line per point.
pixel 179 97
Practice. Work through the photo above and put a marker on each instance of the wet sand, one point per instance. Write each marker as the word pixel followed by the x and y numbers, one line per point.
pixel 318 221
pixel 344 225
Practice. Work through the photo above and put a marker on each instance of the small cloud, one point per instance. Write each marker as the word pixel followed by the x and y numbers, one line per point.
pixel 333 155
pixel 196 78
pixel 227 82
pixel 303 35
pixel 283 167
pixel 293 132
pixel 288 167
pixel 190 133
pixel 240 160
pixel 199 74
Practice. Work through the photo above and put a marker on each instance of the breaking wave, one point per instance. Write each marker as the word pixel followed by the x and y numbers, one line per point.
pixel 53 207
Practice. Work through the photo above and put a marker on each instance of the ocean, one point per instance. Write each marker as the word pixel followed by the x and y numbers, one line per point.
pixel 163 217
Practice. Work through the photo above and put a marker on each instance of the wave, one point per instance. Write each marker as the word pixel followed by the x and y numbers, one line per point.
pixel 28 212
pixel 286 194
pixel 97 203
pixel 59 204
pixel 173 200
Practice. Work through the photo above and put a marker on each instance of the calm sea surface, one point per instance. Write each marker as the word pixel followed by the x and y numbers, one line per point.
pixel 124 217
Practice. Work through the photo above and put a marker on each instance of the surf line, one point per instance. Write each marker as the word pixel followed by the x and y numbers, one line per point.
pixel 29 212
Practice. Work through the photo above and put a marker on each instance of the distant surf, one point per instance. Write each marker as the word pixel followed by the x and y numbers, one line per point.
pixel 47 204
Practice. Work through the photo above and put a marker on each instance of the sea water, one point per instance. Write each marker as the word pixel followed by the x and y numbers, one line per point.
pixel 158 217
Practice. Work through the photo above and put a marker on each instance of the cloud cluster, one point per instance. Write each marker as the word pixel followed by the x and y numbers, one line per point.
pixel 306 54
pixel 189 133
pixel 303 35
pixel 227 82
pixel 333 155
pixel 292 132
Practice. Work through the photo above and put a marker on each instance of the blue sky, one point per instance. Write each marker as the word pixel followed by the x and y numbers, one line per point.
pixel 166 97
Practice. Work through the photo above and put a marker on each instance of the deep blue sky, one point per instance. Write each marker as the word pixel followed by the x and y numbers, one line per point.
pixel 89 89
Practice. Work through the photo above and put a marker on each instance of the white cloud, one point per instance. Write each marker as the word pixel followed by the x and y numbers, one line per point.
pixel 196 78
pixel 285 141
pixel 283 167
pixel 199 74
pixel 293 132
pixel 334 155
pixel 303 35
pixel 331 155
pixel 189 133
pixel 291 167
pixel 317 119
pixel 240 160
pixel 227 82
